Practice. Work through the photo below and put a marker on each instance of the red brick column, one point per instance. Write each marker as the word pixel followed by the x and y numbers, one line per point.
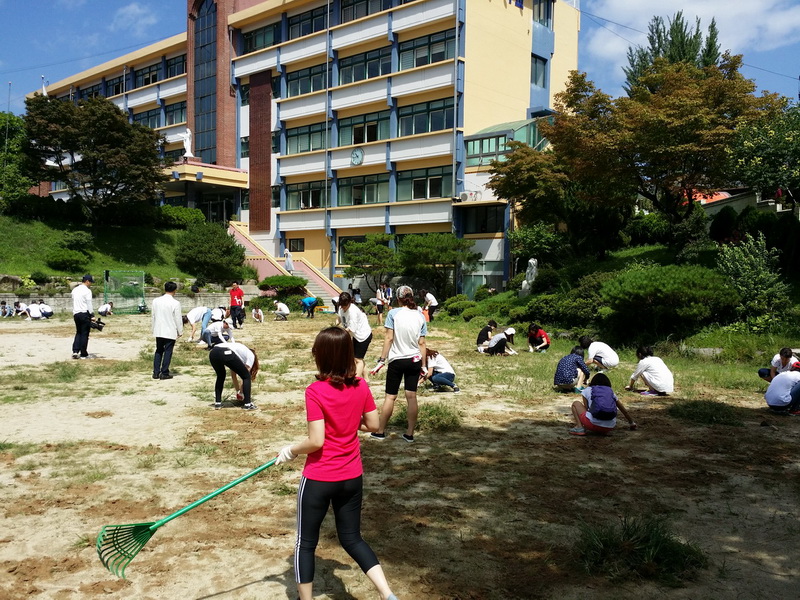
pixel 260 151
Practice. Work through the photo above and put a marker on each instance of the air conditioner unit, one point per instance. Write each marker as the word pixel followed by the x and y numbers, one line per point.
pixel 464 196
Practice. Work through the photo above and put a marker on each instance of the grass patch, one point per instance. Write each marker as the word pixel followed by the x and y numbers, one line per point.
pixel 62 372
pixel 705 412
pixel 83 541
pixel 431 417
pixel 18 450
pixel 638 547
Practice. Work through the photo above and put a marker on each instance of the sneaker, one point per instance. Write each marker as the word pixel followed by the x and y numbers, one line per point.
pixel 156 376
pixel 542 351
pixel 217 405
pixel 408 438
pixel 795 413
pixel 84 357
pixel 75 355
pixel 166 376
pixel 456 390
pixel 249 406
pixel 577 431
pixel 578 389
pixel 377 436
pixel 649 393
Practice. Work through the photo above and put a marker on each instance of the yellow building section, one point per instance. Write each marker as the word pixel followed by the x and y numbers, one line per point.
pixel 207 174
pixel 428 29
pixel 497 78
pixel 317 246
pixel 567 24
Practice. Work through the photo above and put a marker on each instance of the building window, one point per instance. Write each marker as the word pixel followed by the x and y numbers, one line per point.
pixel 426 117
pixel 146 76
pixel 484 219
pixel 364 128
pixel 356 9
pixel 205 82
pixel 421 184
pixel 276 196
pixel 296 244
pixel 175 113
pixel 370 189
pixel 244 92
pixel 115 86
pixel 306 195
pixel 307 23
pixel 149 118
pixel 276 142
pixel 542 12
pixel 306 138
pixel 483 151
pixel 93 91
pixel 173 156
pixel 365 66
pixel 538 71
pixel 263 37
pixel 342 258
pixel 428 49
pixel 176 66
pixel 245 200
pixel 306 81
pixel 244 145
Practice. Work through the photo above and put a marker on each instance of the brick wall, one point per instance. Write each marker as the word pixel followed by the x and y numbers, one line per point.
pixel 260 151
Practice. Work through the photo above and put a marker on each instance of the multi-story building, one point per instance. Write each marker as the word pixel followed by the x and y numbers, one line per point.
pixel 317 122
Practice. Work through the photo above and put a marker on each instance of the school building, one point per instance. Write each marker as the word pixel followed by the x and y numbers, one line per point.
pixel 316 122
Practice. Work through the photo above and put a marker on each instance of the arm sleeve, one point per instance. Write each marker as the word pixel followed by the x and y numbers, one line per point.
pixel 313 406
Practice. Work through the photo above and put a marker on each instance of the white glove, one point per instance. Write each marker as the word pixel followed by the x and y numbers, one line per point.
pixel 285 455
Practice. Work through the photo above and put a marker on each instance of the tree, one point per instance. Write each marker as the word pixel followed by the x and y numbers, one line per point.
pixel 209 252
pixel 766 154
pixel 675 43
pixel 13 183
pixel 668 146
pixel 545 189
pixel 438 258
pixel 92 148
pixel 373 259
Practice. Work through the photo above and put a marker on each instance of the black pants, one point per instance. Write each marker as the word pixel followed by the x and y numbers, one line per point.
pixel 313 499
pixel 237 314
pixel 163 356
pixel 82 328
pixel 224 358
pixel 431 310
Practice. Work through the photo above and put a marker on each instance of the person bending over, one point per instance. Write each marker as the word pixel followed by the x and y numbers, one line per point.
pixel 440 372
pixel 597 410
pixel 598 354
pixel 571 372
pixel 499 344
pixel 783 393
pixel 355 321
pixel 653 373
pixel 538 340
pixel 781 363
pixel 243 363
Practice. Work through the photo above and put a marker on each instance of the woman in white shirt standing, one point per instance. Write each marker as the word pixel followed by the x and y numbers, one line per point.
pixel 653 372
pixel 431 303
pixel 355 321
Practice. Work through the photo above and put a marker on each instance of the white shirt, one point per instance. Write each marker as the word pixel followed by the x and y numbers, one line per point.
pixel 656 373
pixel 104 308
pixel 408 326
pixel 281 308
pixel 166 317
pixel 778 391
pixel 439 364
pixel 604 352
pixel 430 300
pixel 243 352
pixel 779 367
pixel 216 328
pixel 355 321
pixel 45 308
pixel 81 299
pixel 496 338
pixel 258 313
pixel 34 311
pixel 217 314
pixel 196 314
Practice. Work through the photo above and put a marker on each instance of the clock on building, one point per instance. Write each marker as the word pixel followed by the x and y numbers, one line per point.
pixel 357 156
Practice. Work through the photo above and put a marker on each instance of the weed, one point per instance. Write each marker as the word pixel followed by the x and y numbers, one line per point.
pixel 283 489
pixel 159 402
pixel 431 417
pixel 185 461
pixel 18 388
pixel 205 449
pixel 148 462
pixel 18 450
pixel 280 368
pixel 63 372
pixel 705 412
pixel 638 546
pixel 83 541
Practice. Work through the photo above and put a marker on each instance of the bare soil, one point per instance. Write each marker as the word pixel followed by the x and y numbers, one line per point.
pixel 488 511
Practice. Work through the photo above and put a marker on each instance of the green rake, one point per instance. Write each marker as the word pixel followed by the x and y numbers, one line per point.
pixel 118 545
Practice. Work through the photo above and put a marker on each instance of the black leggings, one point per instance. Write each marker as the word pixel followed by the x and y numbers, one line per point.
pixel 221 358
pixel 313 499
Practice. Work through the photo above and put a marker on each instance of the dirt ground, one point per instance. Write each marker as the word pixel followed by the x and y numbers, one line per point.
pixel 485 512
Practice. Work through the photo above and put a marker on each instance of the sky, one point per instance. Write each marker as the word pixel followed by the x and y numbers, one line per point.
pixel 57 38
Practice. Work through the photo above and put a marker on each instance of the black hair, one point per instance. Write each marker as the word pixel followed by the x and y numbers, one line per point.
pixel 644 352
pixel 785 353
pixel 601 379
pixel 577 350
pixel 345 300
pixel 170 286
pixel 492 323
pixel 533 328
pixel 585 341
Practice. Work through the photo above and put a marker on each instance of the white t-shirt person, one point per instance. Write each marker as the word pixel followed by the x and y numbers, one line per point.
pixel 656 373
pixel 602 352
pixel 408 326
pixel 355 321
pixel 777 395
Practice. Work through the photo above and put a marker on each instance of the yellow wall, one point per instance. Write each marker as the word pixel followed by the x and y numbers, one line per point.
pixel 567 25
pixel 318 248
pixel 498 63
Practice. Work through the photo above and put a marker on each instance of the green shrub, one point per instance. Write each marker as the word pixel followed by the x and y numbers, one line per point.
pixel 207 250
pixel 248 272
pixel 547 280
pixel 284 284
pixel 148 278
pixel 130 291
pixel 668 300
pixel 470 313
pixel 452 300
pixel 705 412
pixel 39 278
pixel 178 217
pixel 80 241
pixel 262 302
pixel 639 547
pixel 652 228
pixel 514 284
pixel 456 308
pixel 62 259
pixel 723 225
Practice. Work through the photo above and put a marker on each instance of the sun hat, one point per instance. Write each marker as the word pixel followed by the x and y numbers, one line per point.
pixel 510 331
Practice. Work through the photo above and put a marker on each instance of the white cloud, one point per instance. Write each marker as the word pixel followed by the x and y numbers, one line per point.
pixel 134 18
pixel 744 28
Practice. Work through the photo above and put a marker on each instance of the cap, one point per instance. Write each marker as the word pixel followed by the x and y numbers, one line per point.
pixel 88 278
pixel 229 321
pixel 510 331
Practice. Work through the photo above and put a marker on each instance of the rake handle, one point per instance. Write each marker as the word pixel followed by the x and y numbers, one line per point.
pixel 214 494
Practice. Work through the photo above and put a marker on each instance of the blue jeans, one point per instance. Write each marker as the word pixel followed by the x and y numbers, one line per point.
pixel 206 319
pixel 447 379
pixel 794 405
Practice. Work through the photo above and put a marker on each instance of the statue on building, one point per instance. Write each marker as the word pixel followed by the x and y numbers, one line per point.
pixel 530 276
pixel 187 143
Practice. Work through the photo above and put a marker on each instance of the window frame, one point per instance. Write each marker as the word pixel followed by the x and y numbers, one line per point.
pixel 381 121
pixel 307 23
pixel 296 244
pixel 263 37
pixel 148 117
pixel 170 110
pixel 423 51
pixel 349 66
pixel 146 75
pixel 418 118
pixel 176 66
pixel 428 181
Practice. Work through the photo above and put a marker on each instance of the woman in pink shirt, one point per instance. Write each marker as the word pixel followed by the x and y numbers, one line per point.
pixel 338 404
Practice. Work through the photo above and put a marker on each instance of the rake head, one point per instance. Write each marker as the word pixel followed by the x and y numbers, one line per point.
pixel 117 545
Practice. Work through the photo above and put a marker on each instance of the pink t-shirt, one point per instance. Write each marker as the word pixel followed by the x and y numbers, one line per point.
pixel 341 409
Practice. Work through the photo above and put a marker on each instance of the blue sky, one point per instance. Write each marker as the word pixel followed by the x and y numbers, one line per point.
pixel 56 38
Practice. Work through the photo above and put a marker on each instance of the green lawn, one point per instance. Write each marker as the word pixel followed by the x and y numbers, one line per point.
pixel 25 244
